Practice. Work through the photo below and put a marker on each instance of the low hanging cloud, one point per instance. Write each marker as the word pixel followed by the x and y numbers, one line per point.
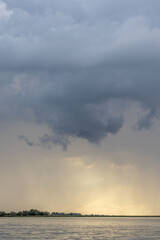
pixel 75 66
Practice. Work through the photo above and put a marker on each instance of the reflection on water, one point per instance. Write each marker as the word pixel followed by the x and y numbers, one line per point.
pixel 80 228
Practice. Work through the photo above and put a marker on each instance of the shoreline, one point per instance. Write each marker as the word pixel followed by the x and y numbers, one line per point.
pixel 87 216
pixel 37 213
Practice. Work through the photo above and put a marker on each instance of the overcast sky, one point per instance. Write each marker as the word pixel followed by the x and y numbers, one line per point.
pixel 79 105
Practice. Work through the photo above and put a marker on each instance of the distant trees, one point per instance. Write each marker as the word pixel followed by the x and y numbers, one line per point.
pixel 57 214
pixel 32 212
pixel 35 212
pixel 2 214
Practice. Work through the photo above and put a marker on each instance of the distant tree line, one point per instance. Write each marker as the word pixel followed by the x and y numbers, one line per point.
pixel 35 212
pixel 57 214
pixel 32 212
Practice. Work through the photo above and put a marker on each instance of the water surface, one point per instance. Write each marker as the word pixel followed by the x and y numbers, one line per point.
pixel 80 228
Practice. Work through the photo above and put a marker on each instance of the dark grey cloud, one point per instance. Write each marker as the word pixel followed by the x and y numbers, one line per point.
pixel 47 141
pixel 29 143
pixel 74 66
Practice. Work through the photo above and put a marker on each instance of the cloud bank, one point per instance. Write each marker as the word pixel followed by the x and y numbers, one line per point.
pixel 75 65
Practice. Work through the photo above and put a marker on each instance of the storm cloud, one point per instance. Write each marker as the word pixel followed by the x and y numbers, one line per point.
pixel 75 66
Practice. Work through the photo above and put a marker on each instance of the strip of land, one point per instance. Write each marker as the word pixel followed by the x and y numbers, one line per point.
pixel 37 213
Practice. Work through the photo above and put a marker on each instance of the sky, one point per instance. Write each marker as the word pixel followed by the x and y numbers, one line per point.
pixel 80 106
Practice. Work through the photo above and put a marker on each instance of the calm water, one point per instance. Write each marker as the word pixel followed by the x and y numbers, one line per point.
pixel 80 228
